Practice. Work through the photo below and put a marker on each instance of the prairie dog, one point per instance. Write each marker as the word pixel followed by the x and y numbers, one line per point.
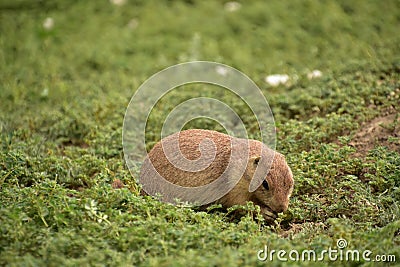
pixel 197 158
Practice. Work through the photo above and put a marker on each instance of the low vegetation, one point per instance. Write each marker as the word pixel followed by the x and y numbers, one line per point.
pixel 69 69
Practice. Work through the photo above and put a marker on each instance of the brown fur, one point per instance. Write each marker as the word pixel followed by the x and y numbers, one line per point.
pixel 279 177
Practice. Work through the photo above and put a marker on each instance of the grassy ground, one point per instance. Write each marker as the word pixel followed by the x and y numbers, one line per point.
pixel 64 90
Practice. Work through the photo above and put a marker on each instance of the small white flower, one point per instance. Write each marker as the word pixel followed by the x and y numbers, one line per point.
pixel 314 74
pixel 232 6
pixel 277 79
pixel 221 70
pixel 48 23
pixel 45 92
pixel 118 2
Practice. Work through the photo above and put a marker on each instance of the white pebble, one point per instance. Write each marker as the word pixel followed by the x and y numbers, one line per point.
pixel 277 79
pixel 48 23
pixel 314 74
pixel 133 23
pixel 232 6
pixel 118 2
pixel 221 70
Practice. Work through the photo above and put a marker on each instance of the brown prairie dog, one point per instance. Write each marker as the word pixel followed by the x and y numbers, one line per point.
pixel 210 156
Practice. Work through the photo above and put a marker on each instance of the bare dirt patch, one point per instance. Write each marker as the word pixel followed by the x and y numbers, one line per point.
pixel 381 131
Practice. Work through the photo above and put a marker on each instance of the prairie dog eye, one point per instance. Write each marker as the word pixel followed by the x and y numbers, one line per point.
pixel 265 185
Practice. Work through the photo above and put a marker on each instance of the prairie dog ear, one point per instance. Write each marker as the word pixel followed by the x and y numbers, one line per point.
pixel 255 180
pixel 255 160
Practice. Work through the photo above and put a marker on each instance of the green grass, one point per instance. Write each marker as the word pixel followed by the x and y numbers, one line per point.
pixel 63 95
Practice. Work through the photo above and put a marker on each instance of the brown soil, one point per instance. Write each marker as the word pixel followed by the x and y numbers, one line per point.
pixel 117 184
pixel 378 132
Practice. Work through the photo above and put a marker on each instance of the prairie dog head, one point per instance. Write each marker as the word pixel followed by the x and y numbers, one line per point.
pixel 273 194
